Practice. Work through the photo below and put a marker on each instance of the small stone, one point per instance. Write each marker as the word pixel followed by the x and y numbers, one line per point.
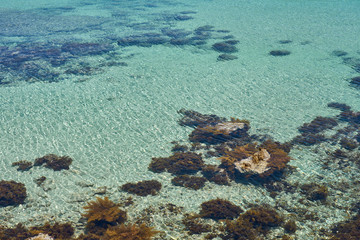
pixel 100 190
pixel 355 81
pixel 226 57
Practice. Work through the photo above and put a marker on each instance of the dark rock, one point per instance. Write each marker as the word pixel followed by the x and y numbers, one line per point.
pixel 131 41
pixel 223 31
pixel 204 28
pixel 183 17
pixel 224 47
pixel 353 62
pixel 340 106
pixel 180 41
pixel 318 125
pixel 228 37
pixel 226 57
pixel 339 53
pixel 84 49
pixel 193 119
pixel 188 12
pixel 279 53
pixel 309 139
pixel 355 81
pixel 232 42
pixel 285 41
pixel 175 33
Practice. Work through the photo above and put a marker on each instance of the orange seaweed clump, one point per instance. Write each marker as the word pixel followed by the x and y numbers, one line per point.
pixel 16 233
pixel 57 231
pixel 104 210
pixel 130 232
pixel 279 156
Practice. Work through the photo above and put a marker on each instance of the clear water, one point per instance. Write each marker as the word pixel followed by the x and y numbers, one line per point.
pixel 113 119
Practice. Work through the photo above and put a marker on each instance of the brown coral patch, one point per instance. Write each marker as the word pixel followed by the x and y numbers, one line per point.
pixel 143 188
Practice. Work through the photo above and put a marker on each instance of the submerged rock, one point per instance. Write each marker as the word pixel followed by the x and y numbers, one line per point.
pixel 220 132
pixel 355 81
pixel 226 57
pixel 255 164
pixel 339 53
pixel 279 53
pixel 226 47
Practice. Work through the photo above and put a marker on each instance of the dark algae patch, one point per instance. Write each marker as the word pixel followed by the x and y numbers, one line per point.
pixel 143 188
pixel 191 182
pixel 279 53
pixel 54 162
pixel 12 193
pixel 219 209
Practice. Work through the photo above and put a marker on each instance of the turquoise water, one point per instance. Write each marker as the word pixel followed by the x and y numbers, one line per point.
pixel 112 108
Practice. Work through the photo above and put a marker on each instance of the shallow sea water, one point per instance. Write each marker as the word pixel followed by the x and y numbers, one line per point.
pixel 112 117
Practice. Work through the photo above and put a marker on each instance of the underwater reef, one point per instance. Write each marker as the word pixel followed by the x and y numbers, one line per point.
pixel 238 158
